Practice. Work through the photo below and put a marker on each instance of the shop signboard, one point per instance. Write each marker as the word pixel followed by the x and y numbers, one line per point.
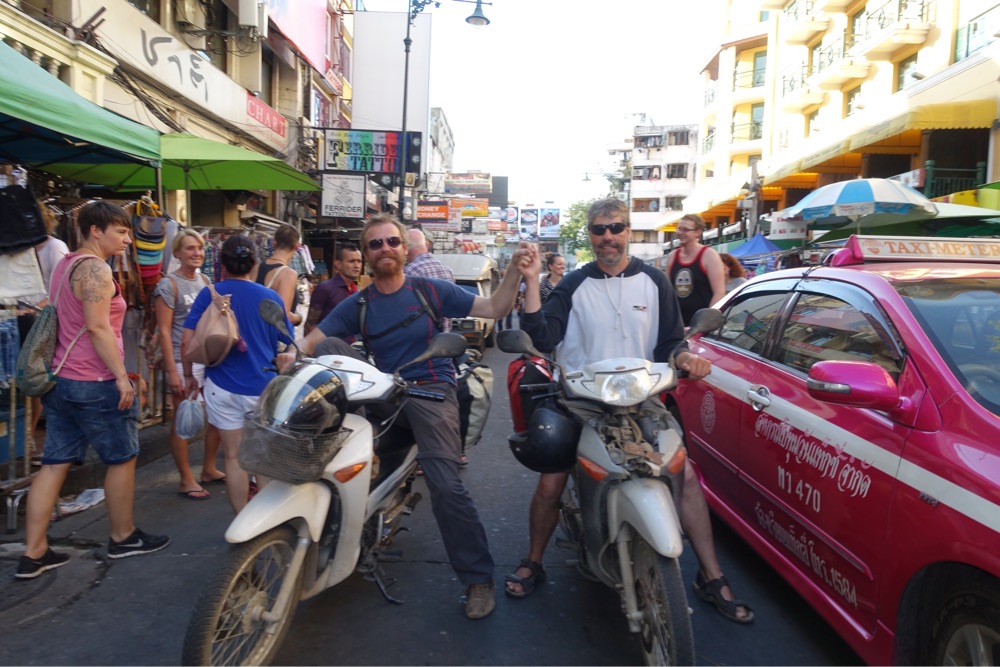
pixel 369 152
pixel 432 211
pixel 787 230
pixel 529 224
pixel 343 196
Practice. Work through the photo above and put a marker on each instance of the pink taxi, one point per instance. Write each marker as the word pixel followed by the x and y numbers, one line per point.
pixel 850 432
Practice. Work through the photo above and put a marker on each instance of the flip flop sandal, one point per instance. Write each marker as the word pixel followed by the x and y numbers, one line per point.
pixel 195 494
pixel 217 480
pixel 528 583
pixel 711 592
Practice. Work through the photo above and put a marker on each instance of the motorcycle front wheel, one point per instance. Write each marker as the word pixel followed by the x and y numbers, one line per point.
pixel 666 635
pixel 227 627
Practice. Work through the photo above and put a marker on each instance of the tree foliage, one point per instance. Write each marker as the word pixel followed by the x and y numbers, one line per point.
pixel 573 231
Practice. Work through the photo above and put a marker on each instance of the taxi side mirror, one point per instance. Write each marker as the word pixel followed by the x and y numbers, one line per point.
pixel 861 384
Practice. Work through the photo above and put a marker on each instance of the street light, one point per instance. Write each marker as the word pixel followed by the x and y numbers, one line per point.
pixel 478 19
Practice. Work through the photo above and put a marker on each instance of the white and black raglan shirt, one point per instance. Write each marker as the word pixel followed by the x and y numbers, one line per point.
pixel 591 316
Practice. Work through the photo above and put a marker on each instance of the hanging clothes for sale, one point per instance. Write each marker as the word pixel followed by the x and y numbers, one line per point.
pixel 21 222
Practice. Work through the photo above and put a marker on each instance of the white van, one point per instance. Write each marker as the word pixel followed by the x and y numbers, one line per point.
pixel 480 275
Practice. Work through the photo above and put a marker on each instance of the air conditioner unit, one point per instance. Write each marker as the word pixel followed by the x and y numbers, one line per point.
pixel 253 14
pixel 622 196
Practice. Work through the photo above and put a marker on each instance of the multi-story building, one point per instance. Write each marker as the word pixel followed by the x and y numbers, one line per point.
pixel 663 173
pixel 803 93
pixel 243 72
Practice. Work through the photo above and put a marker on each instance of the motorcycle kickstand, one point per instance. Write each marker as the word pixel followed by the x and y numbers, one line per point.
pixel 377 575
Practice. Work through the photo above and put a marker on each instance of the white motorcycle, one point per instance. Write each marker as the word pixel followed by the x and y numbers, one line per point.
pixel 619 510
pixel 334 501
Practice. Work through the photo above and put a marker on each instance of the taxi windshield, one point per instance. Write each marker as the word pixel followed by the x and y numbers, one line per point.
pixel 962 319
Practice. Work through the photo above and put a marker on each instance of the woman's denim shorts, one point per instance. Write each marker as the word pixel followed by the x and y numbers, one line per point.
pixel 81 413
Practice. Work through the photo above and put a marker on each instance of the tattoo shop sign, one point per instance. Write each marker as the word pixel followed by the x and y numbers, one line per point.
pixel 343 196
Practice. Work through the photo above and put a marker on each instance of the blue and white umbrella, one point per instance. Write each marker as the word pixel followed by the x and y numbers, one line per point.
pixel 852 201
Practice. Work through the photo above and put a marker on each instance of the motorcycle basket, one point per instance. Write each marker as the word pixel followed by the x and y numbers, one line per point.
pixel 295 459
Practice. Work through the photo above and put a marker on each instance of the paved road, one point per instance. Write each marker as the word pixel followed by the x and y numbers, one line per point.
pixel 134 611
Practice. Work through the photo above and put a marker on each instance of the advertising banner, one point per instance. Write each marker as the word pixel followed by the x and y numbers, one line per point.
pixel 343 196
pixel 432 211
pixel 529 224
pixel 468 184
pixel 472 208
pixel 784 230
pixel 548 223
pixel 511 215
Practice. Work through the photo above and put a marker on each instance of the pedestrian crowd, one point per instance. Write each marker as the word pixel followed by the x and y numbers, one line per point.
pixel 568 315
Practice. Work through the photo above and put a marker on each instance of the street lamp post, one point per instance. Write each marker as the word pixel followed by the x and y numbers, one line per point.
pixel 478 19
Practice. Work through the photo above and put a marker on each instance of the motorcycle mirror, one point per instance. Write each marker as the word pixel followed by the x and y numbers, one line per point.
pixel 515 340
pixel 272 312
pixel 441 345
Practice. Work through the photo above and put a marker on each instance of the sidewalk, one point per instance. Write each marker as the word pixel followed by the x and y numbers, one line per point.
pixel 65 616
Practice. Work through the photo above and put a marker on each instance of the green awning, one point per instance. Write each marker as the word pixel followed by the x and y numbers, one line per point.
pixel 42 120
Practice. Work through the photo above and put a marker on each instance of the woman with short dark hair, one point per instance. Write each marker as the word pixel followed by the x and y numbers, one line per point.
pixel 233 386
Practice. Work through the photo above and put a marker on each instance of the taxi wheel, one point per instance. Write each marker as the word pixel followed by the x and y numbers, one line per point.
pixel 967 629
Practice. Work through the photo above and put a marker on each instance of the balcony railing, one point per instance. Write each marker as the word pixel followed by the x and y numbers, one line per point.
pixel 798 11
pixel 793 79
pixel 977 33
pixel 708 143
pixel 892 12
pixel 940 182
pixel 829 55
pixel 749 79
pixel 748 131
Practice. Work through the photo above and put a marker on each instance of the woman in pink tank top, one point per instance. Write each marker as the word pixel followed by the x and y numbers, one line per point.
pixel 93 402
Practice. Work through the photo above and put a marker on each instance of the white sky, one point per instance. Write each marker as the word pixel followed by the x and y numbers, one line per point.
pixel 540 93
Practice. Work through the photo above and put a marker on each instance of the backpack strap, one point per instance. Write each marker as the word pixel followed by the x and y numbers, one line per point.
pixel 55 299
pixel 419 287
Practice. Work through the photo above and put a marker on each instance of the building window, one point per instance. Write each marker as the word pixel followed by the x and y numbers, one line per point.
pixel 759 68
pixel 857 32
pixel 904 72
pixel 646 205
pixel 267 75
pixel 216 20
pixel 677 171
pixel 853 102
pixel 674 203
pixel 150 8
pixel 764 16
pixel 678 138
pixel 812 124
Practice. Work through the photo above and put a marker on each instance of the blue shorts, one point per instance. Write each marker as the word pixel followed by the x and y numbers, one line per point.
pixel 81 413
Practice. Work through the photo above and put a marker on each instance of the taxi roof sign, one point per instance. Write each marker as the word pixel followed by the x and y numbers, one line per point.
pixel 861 249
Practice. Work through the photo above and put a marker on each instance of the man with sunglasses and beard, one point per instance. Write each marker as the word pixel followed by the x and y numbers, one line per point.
pixel 396 329
pixel 615 306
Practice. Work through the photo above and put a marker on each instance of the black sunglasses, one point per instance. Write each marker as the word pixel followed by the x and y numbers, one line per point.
pixel 393 241
pixel 615 227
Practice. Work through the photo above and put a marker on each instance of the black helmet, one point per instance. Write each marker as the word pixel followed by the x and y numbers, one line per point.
pixel 549 445
pixel 309 401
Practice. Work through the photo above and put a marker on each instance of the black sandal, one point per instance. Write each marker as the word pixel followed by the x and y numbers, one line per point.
pixel 711 592
pixel 528 583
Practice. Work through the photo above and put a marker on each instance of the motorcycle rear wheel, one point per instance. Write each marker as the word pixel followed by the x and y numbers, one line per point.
pixel 226 627
pixel 665 635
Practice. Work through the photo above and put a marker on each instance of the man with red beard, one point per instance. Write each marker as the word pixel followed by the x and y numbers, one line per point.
pixel 396 329
pixel 616 306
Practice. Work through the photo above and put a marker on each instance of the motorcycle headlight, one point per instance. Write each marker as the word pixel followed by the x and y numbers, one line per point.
pixel 623 388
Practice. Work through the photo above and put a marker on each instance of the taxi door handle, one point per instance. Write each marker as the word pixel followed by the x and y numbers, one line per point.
pixel 759 397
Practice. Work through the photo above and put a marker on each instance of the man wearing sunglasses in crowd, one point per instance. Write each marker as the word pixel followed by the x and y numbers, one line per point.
pixel 615 306
pixel 397 328
pixel 695 270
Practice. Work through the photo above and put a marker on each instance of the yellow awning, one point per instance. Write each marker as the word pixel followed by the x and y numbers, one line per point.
pixel 793 167
pixel 670 223
pixel 949 116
